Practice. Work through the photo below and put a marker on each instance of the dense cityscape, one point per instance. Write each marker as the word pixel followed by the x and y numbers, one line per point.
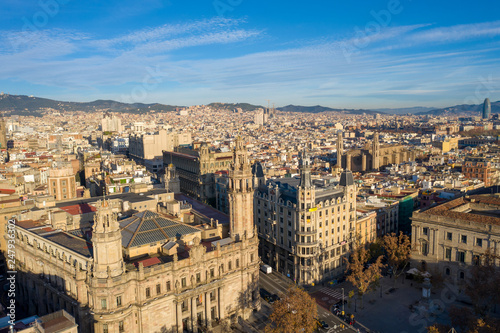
pixel 174 177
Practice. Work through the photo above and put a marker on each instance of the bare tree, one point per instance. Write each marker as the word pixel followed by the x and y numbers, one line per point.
pixel 296 312
pixel 466 321
pixel 363 278
pixel 398 249
pixel 482 285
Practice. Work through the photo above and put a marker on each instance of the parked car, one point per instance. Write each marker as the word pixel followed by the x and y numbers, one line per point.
pixel 275 297
pixel 322 323
pixel 264 293
pixel 339 303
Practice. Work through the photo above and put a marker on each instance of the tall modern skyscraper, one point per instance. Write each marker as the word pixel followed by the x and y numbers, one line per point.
pixel 486 109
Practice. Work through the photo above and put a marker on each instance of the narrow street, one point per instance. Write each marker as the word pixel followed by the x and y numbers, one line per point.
pixel 277 284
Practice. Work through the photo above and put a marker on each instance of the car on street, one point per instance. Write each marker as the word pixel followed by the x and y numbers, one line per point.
pixel 322 323
pixel 338 304
pixel 275 298
pixel 264 293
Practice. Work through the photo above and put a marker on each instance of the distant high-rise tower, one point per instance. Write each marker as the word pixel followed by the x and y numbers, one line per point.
pixel 3 134
pixel 486 109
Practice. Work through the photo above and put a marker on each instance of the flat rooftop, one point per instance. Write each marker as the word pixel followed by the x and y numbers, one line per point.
pixel 203 209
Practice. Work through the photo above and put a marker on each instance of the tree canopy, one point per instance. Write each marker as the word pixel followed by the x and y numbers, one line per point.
pixel 296 312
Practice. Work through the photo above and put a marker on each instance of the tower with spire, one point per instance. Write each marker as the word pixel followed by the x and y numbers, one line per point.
pixel 240 194
pixel 340 148
pixel 375 152
pixel 305 193
pixel 171 179
pixel 106 242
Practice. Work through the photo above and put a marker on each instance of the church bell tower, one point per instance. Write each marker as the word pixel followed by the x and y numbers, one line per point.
pixel 240 193
pixel 107 242
pixel 375 152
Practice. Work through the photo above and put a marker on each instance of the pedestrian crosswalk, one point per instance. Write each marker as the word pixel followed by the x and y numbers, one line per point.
pixel 332 292
pixel 337 329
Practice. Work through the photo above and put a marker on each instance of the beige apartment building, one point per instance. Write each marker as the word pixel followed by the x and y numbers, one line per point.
pixel 306 227
pixel 148 272
pixel 452 236
pixel 147 149
pixel 62 183
pixel 366 226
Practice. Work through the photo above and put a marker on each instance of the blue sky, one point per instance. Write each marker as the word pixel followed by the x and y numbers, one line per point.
pixel 352 54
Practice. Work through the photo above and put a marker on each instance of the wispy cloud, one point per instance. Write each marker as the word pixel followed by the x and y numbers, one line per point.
pixel 458 32
pixel 394 63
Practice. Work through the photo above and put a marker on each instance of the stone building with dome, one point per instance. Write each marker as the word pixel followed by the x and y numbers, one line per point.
pixel 149 271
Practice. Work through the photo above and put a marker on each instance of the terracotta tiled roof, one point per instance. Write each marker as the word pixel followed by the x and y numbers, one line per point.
pixel 445 210
pixel 148 262
pixel 79 209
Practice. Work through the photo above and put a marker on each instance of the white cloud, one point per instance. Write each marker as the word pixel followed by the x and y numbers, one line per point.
pixel 319 71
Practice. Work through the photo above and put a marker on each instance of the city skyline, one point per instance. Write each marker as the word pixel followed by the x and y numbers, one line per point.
pixel 388 54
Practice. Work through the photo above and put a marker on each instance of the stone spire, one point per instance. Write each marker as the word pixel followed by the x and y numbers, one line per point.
pixel 240 193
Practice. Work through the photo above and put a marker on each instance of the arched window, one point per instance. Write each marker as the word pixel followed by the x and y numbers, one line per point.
pixel 447 271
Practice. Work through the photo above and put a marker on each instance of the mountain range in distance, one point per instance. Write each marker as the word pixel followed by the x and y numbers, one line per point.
pixel 37 106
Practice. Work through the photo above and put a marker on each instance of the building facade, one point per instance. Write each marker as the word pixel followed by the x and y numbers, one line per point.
pixel 371 156
pixel 62 183
pixel 147 149
pixel 145 273
pixel 480 168
pixel 306 227
pixel 196 169
pixel 451 237
pixel 111 123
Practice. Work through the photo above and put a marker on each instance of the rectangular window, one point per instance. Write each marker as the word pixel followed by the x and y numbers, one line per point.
pixel 183 282
pixel 104 304
pixel 448 254
pixel 230 265
pixel 426 231
pixel 479 242
pixel 118 301
pixel 198 277
pixel 184 306
pixel 464 239
pixel 449 236
pixel 148 292
pixel 212 272
pixel 121 327
pixel 158 289
pixel 105 328
pixel 425 248
pixel 460 256
pixel 168 286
